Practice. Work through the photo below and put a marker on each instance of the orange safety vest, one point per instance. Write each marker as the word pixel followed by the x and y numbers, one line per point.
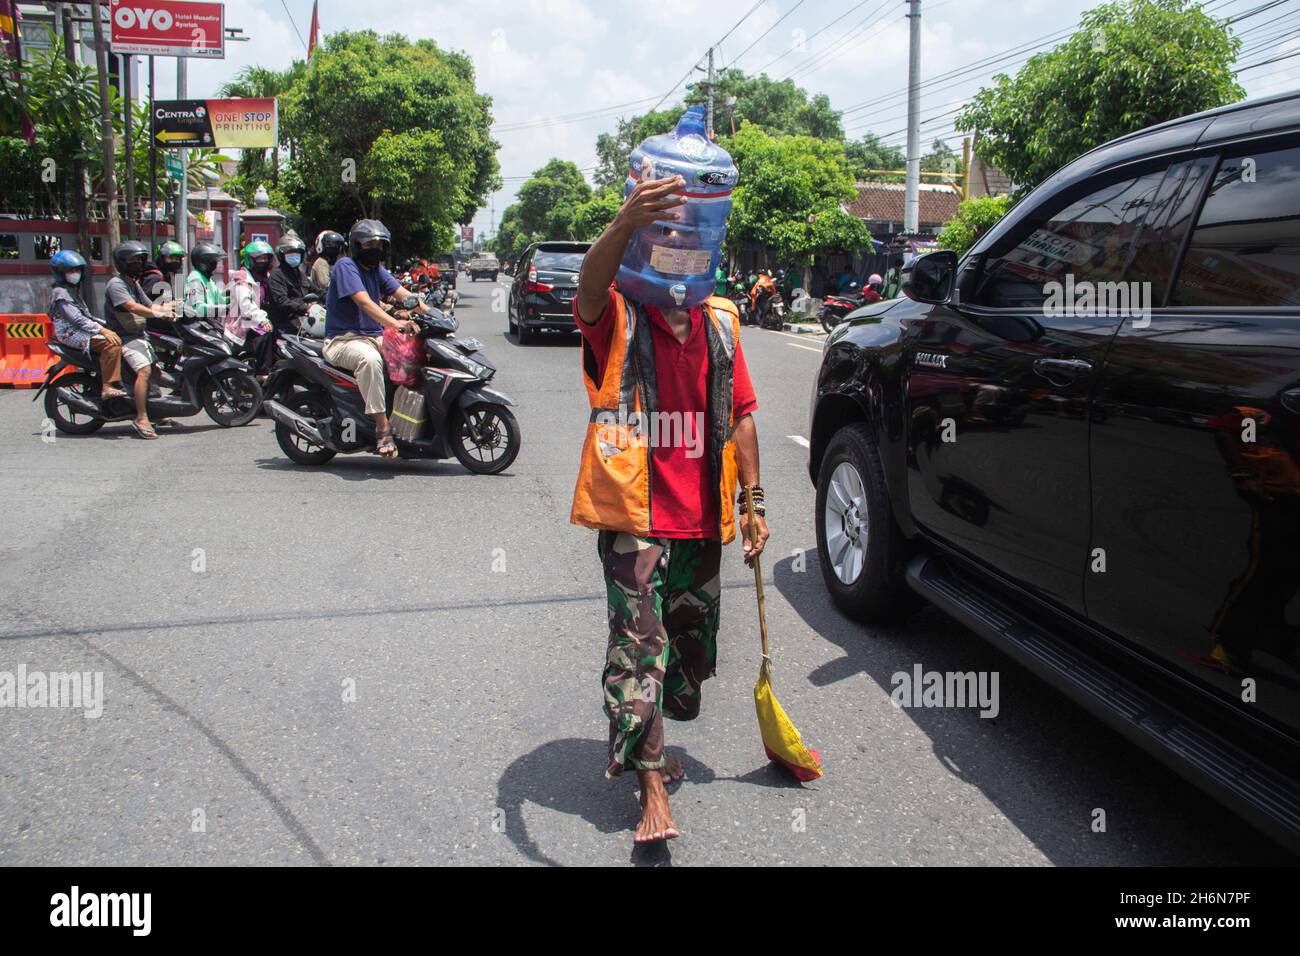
pixel 613 487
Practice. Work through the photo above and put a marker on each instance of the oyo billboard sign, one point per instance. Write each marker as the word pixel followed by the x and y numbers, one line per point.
pixel 167 28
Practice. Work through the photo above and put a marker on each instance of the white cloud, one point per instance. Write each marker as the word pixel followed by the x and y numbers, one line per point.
pixel 545 58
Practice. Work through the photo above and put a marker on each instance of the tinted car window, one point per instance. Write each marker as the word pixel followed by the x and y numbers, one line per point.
pixel 1245 250
pixel 1167 223
pixel 558 261
pixel 1090 239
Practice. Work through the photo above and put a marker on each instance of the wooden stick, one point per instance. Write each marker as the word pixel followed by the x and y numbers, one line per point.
pixel 758 572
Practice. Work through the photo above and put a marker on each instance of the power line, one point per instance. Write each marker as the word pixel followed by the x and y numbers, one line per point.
pixel 856 33
pixel 293 24
pixel 856 6
pixel 766 32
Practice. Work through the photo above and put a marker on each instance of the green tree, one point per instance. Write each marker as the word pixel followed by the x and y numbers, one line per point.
pixel 789 194
pixel 868 154
pixel 974 218
pixel 778 106
pixel 257 167
pixel 589 219
pixel 385 128
pixel 1134 63
pixel 547 199
pixel 613 149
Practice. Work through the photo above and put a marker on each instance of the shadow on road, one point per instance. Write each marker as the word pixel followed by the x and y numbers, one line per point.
pixel 372 467
pixel 567 776
pixel 1043 762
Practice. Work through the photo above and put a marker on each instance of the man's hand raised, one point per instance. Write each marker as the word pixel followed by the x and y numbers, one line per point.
pixel 651 200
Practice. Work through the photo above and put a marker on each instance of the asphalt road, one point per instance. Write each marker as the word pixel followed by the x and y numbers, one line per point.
pixel 399 663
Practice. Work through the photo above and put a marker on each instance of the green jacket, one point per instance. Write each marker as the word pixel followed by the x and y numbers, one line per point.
pixel 202 297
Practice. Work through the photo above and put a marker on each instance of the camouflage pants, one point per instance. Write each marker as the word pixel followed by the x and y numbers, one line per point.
pixel 663 639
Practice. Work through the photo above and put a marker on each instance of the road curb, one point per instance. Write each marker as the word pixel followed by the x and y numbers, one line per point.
pixel 802 328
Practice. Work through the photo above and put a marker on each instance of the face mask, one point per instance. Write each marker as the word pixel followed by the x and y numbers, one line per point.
pixel 206 268
pixel 293 259
pixel 169 268
pixel 72 278
pixel 135 268
pixel 260 266
pixel 371 257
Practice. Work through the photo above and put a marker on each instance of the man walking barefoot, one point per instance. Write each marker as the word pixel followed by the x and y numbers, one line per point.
pixel 671 427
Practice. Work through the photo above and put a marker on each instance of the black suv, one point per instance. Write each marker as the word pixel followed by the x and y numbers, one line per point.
pixel 545 282
pixel 1083 442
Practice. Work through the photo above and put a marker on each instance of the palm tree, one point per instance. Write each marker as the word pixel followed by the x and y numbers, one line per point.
pixel 260 82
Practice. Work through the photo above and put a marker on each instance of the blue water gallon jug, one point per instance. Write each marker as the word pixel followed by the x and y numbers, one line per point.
pixel 671 263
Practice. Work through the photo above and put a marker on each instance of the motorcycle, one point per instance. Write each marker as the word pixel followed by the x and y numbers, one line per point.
pixel 320 413
pixel 205 377
pixel 835 307
pixel 769 310
pixel 740 296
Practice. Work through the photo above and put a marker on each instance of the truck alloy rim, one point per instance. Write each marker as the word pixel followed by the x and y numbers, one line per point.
pixel 845 516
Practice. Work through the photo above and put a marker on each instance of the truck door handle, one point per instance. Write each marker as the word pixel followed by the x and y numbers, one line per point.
pixel 1055 369
pixel 1291 400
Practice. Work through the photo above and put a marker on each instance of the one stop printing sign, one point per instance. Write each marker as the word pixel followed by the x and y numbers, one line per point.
pixel 168 28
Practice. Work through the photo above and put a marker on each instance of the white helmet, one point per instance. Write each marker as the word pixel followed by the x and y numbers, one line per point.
pixel 313 323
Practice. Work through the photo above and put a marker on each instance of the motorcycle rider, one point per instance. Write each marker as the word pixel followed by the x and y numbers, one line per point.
pixel 127 310
pixel 760 296
pixel 354 320
pixel 872 292
pixel 76 326
pixel 286 284
pixel 329 246
pixel 203 299
pixel 158 275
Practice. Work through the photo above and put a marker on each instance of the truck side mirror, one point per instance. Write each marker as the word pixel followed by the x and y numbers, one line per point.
pixel 930 278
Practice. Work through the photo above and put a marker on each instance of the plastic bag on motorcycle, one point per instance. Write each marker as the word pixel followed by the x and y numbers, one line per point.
pixel 404 356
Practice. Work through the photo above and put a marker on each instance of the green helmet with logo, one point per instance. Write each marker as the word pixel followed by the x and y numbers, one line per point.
pixel 256 249
pixel 169 248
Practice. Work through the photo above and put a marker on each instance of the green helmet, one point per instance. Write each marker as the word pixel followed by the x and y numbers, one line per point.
pixel 169 248
pixel 254 249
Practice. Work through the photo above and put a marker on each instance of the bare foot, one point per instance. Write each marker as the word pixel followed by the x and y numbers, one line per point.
pixel 672 770
pixel 656 822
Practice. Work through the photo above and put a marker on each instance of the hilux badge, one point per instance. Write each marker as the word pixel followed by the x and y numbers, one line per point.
pixel 930 360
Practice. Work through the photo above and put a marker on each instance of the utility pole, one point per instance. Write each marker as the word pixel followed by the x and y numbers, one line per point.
pixel 183 201
pixel 708 112
pixel 912 203
pixel 153 170
pixel 128 108
pixel 78 167
pixel 106 126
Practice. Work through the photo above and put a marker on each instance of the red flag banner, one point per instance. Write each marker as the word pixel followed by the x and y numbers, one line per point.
pixel 315 31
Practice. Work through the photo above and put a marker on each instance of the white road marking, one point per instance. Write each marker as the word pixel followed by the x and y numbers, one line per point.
pixel 798 440
pixel 795 345
pixel 797 335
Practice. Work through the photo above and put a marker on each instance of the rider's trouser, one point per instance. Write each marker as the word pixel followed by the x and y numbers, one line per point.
pixel 362 355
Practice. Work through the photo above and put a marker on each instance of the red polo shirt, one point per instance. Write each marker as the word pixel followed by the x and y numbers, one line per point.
pixel 681 491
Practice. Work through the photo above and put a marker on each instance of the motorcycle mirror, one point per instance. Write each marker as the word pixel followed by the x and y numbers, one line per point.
pixel 410 302
pixel 311 297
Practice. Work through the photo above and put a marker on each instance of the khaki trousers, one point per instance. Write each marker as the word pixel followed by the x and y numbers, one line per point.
pixel 362 355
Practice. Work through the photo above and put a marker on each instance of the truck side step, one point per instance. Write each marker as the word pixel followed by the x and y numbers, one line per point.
pixel 1268 799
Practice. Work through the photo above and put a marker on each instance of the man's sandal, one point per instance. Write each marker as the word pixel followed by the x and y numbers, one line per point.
pixel 385 446
pixel 144 431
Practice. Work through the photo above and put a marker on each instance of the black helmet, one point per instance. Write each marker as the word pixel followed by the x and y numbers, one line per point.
pixel 206 253
pixel 289 243
pixel 329 242
pixel 126 253
pixel 364 230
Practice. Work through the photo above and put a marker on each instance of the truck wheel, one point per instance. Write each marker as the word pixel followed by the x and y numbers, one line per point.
pixel 860 549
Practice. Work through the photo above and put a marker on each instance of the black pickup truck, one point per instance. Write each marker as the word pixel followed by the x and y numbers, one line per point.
pixel 1082 441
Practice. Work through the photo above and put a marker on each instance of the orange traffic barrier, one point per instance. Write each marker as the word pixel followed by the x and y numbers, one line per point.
pixel 24 355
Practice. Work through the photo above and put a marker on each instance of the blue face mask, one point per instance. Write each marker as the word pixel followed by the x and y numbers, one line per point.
pixel 293 259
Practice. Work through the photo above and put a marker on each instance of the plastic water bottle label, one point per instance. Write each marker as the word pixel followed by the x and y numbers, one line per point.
pixel 680 262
